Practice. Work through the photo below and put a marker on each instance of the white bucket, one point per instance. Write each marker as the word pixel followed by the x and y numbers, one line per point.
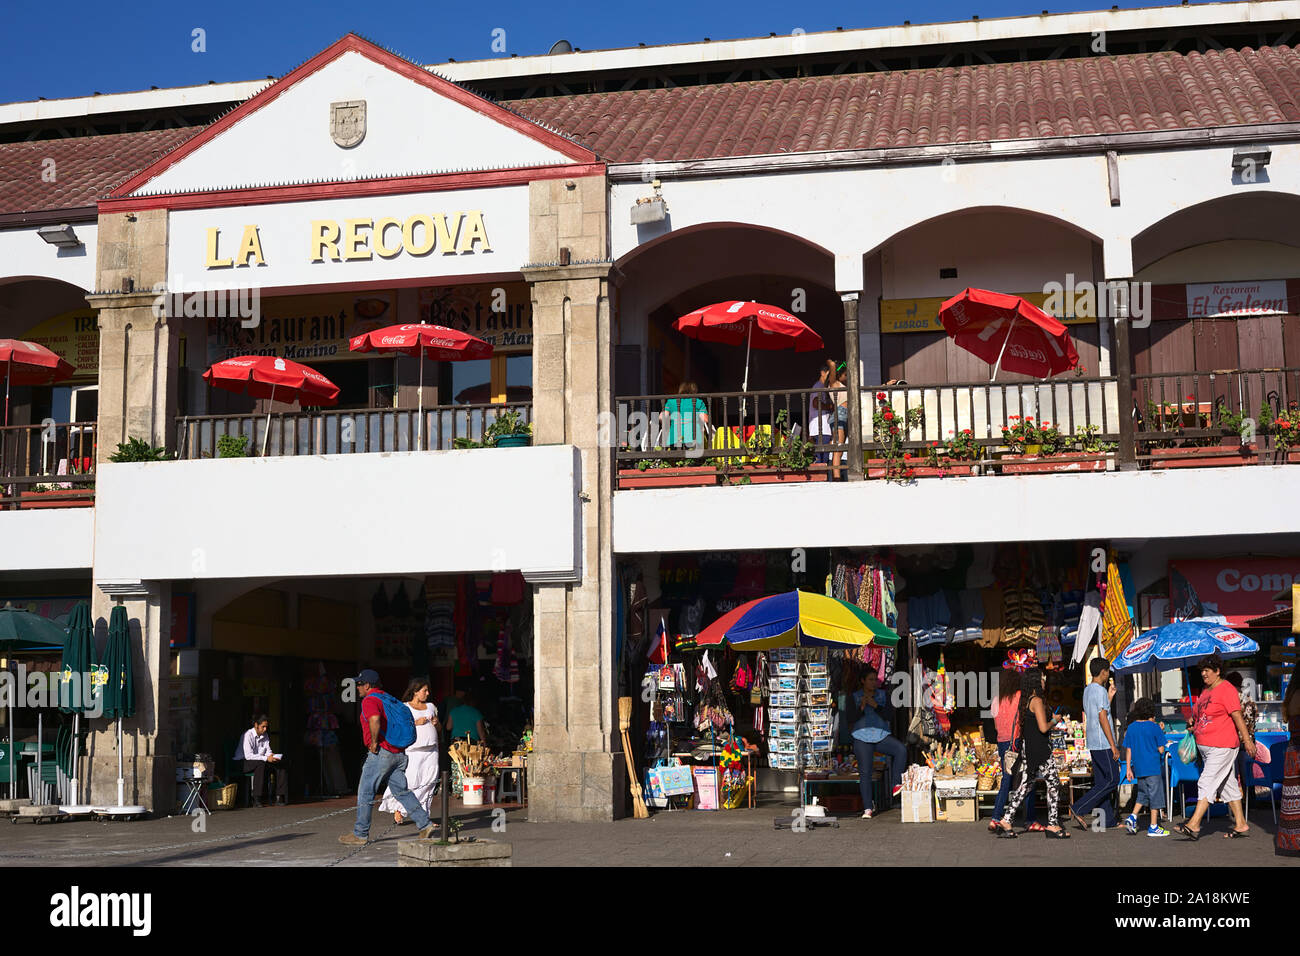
pixel 472 791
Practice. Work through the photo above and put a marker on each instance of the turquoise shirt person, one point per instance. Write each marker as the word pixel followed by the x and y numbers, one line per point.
pixel 464 722
pixel 683 420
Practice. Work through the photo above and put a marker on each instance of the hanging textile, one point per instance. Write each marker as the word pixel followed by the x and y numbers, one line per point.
pixel 507 665
pixel 1116 621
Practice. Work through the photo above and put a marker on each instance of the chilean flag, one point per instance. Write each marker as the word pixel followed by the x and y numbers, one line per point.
pixel 658 653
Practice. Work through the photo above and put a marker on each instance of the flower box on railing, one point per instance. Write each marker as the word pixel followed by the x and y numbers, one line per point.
pixel 55 499
pixel 1211 456
pixel 1063 461
pixel 760 475
pixel 908 468
pixel 697 476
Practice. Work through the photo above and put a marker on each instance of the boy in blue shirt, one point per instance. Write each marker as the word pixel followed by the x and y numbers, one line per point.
pixel 1144 746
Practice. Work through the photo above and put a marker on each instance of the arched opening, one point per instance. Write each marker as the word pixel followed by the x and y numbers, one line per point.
pixel 1225 306
pixel 680 272
pixel 997 248
pixel 48 443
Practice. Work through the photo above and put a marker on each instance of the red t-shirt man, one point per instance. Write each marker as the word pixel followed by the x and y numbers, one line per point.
pixel 371 706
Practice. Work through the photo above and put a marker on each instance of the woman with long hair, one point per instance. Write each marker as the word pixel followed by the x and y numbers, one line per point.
pixel 421 756
pixel 1007 720
pixel 1287 840
pixel 837 383
pixel 1037 761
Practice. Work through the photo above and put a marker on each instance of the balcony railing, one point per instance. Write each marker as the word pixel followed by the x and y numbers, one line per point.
pixel 1178 420
pixel 357 431
pixel 47 465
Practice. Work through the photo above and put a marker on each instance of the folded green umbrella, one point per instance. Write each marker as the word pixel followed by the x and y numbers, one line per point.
pixel 25 631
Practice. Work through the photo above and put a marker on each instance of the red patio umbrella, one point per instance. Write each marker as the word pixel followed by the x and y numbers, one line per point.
pixel 435 342
pixel 265 376
pixel 758 326
pixel 26 363
pixel 1008 332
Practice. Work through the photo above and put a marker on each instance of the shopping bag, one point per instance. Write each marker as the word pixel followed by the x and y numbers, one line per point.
pixel 1187 748
pixel 676 781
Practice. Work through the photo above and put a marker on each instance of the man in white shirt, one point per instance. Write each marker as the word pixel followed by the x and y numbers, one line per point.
pixel 255 751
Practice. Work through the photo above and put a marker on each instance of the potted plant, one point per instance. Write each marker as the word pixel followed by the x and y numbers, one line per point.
pixel 137 449
pixel 957 455
pixel 890 429
pixel 775 455
pixel 508 430
pixel 1229 449
pixel 232 446
pixel 1037 447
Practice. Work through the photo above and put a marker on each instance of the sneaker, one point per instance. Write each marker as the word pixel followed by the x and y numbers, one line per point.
pixel 866 814
pixel 1157 832
pixel 1131 823
pixel 351 839
pixel 898 790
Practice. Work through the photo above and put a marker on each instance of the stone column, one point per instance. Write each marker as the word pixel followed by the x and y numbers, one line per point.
pixel 139 371
pixel 1123 365
pixel 148 761
pixel 577 771
pixel 853 365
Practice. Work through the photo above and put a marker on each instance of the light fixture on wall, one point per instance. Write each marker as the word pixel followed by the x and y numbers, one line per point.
pixel 1250 157
pixel 63 236
pixel 649 209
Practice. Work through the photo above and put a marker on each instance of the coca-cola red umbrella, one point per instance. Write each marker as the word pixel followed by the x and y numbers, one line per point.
pixel 437 342
pixel 266 376
pixel 1008 332
pixel 26 363
pixel 757 325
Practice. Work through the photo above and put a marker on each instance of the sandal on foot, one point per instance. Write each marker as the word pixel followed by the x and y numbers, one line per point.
pixel 1005 834
pixel 1236 834
pixel 1036 827
pixel 1188 832
pixel 1056 834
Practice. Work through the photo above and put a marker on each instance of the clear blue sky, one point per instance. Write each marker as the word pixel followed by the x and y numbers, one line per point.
pixel 76 47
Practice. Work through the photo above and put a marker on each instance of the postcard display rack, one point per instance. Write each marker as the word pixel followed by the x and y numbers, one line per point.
pixel 799 709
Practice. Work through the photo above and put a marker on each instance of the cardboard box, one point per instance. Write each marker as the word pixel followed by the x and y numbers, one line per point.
pixel 918 807
pixel 956 810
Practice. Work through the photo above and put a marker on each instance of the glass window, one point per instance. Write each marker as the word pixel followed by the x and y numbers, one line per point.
pixel 519 373
pixel 471 382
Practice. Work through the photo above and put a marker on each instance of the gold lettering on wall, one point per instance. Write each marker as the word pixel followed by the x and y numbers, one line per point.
pixel 250 247
pixel 408 235
pixel 355 245
pixel 386 251
pixel 473 231
pixel 213 262
pixel 324 235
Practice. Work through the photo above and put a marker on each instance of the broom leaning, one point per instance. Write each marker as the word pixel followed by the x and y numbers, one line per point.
pixel 624 722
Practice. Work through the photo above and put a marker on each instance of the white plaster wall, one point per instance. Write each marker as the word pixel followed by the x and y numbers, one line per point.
pixel 285 233
pixel 24 254
pixel 47 539
pixel 339 515
pixel 1063 507
pixel 410 129
pixel 854 211
pixel 990 250
pixel 1228 261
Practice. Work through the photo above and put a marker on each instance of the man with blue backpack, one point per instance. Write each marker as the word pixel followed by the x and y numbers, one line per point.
pixel 387 729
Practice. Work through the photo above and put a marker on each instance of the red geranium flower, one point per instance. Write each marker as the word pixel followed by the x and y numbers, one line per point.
pixel 880 396
pixel 889 416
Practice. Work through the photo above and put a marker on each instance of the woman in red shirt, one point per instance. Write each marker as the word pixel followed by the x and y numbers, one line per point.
pixel 1220 730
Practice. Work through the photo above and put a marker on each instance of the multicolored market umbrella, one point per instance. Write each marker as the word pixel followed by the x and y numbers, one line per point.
pixel 1008 332
pixel 266 376
pixel 1182 644
pixel 26 363
pixel 797 619
pixel 756 325
pixel 437 342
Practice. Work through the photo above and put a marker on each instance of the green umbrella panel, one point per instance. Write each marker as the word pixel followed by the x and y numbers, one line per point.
pixel 25 631
pixel 119 688
pixel 74 689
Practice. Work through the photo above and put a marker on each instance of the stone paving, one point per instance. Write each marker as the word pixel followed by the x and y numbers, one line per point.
pixel 306 835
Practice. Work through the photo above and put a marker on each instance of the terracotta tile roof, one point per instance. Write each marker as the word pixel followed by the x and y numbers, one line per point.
pixel 1079 97
pixel 85 168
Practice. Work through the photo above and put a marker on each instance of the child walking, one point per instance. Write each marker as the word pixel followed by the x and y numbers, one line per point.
pixel 1144 748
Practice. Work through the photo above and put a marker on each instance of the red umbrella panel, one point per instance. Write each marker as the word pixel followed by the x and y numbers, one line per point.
pixel 751 324
pixel 1008 332
pixel 437 342
pixel 265 376
pixel 26 363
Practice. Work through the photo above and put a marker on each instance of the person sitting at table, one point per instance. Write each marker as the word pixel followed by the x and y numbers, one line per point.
pixel 255 751
pixel 684 421
pixel 871 734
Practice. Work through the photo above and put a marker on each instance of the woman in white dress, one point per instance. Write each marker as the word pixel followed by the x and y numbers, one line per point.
pixel 421 756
